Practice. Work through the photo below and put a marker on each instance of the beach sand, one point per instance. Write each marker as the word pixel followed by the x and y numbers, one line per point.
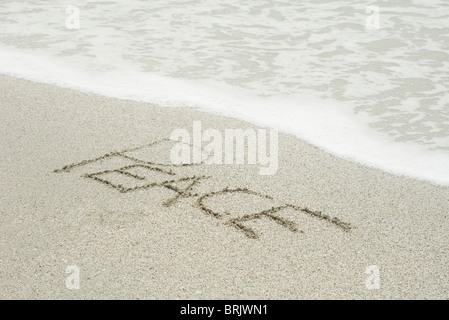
pixel 152 242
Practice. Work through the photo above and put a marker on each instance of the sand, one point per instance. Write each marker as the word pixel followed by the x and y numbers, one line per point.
pixel 220 239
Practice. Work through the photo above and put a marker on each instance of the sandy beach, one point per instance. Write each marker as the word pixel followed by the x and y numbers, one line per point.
pixel 198 231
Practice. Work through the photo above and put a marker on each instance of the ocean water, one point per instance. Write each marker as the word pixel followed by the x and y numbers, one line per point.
pixel 378 96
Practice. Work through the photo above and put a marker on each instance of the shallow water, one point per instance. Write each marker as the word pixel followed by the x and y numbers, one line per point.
pixel 310 68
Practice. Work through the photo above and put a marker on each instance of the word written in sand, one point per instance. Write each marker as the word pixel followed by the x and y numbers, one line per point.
pixel 143 172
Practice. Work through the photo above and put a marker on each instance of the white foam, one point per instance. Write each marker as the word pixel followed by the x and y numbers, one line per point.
pixel 323 123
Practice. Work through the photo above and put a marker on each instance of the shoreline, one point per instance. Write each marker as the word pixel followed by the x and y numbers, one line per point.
pixel 326 125
pixel 199 232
